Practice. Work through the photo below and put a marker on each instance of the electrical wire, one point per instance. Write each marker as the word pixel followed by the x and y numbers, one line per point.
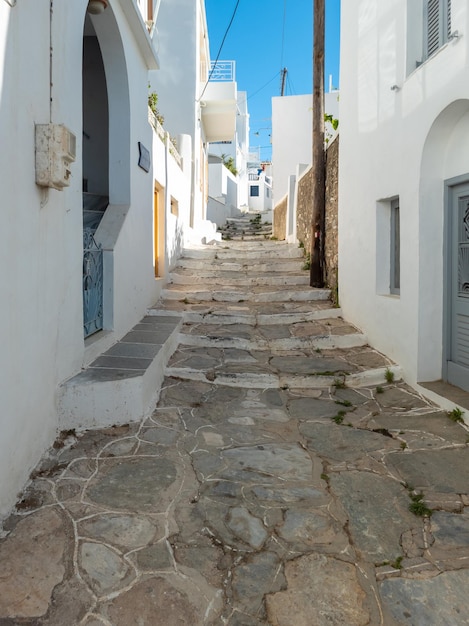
pixel 263 87
pixel 283 32
pixel 220 49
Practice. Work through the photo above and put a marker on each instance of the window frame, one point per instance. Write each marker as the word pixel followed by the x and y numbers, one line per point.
pixel 395 248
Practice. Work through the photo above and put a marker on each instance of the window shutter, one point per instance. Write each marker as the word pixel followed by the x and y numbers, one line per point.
pixel 437 20
pixel 433 26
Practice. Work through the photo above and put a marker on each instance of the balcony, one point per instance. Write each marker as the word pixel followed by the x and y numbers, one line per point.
pixel 137 13
pixel 219 103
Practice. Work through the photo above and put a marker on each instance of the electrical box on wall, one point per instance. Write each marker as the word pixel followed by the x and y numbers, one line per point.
pixel 55 151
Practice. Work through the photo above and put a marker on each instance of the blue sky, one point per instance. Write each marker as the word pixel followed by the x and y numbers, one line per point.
pixel 265 36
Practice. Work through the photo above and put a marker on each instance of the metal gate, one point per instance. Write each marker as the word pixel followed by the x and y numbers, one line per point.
pixel 92 283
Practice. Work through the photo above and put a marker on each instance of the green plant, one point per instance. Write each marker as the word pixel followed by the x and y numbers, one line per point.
pixel 344 402
pixel 397 564
pixel 301 245
pixel 333 121
pixel 339 418
pixel 229 163
pixel 456 415
pixel 307 263
pixel 418 506
pixel 339 383
pixel 379 389
pixel 273 238
pixel 389 375
pixel 403 445
pixel 153 105
pixel 325 477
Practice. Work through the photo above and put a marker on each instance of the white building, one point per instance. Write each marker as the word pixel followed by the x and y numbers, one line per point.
pixel 204 110
pixel 260 186
pixel 95 206
pixel 292 136
pixel 404 182
pixel 237 149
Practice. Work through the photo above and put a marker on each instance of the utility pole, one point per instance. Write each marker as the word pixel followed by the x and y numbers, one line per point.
pixel 283 80
pixel 318 154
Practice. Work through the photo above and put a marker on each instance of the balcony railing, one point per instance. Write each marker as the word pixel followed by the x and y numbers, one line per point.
pixel 223 71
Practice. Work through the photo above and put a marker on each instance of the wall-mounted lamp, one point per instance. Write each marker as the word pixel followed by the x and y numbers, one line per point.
pixel 395 88
pixel 95 7
pixel 454 35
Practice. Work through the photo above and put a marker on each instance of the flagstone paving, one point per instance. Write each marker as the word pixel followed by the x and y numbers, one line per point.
pixel 271 485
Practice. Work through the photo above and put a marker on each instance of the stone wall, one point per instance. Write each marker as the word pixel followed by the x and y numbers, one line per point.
pixel 280 219
pixel 304 214
pixel 332 209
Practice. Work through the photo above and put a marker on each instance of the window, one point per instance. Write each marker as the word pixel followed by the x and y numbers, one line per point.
pixel 395 278
pixel 437 25
pixel 254 190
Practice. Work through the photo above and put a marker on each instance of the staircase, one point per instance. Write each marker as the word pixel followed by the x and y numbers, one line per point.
pixel 252 320
pixel 239 313
pixel 249 227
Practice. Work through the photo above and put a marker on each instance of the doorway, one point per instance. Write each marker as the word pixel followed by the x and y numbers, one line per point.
pixel 457 348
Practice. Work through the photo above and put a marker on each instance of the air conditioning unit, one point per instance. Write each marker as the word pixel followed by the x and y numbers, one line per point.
pixel 55 151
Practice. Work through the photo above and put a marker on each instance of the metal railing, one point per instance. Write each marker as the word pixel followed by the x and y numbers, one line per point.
pixel 92 283
pixel 222 71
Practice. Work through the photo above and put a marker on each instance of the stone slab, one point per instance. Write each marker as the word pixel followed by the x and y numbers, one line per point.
pixel 428 469
pixel 429 602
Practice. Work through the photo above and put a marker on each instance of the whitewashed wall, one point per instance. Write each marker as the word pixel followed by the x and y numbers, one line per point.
pixel 292 135
pixel 401 134
pixel 41 317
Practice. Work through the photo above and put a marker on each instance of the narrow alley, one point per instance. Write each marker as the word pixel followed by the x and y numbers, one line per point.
pixel 287 477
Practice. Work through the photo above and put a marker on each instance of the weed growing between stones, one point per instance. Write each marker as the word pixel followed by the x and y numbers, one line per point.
pixel 418 506
pixel 339 383
pixel 339 418
pixel 344 402
pixel 379 389
pixel 456 415
pixel 307 263
pixel 389 376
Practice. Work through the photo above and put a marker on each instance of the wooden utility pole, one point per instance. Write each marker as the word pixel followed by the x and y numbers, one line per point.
pixel 283 80
pixel 318 155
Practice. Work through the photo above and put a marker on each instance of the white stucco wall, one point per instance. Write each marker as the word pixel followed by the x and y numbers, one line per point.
pixel 400 135
pixel 41 319
pixel 292 135
pixel 182 42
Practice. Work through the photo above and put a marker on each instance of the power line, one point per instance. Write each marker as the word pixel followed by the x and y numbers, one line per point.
pixel 220 49
pixel 283 31
pixel 263 87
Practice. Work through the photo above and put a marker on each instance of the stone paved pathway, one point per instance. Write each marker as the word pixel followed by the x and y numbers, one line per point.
pixel 272 485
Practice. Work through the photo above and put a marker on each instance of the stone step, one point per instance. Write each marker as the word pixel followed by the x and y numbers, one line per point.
pixel 244 279
pixel 258 251
pixel 213 314
pixel 256 294
pixel 122 384
pixel 324 342
pixel 252 380
pixel 273 265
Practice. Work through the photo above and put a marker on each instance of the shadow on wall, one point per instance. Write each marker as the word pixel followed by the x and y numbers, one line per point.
pixel 176 245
